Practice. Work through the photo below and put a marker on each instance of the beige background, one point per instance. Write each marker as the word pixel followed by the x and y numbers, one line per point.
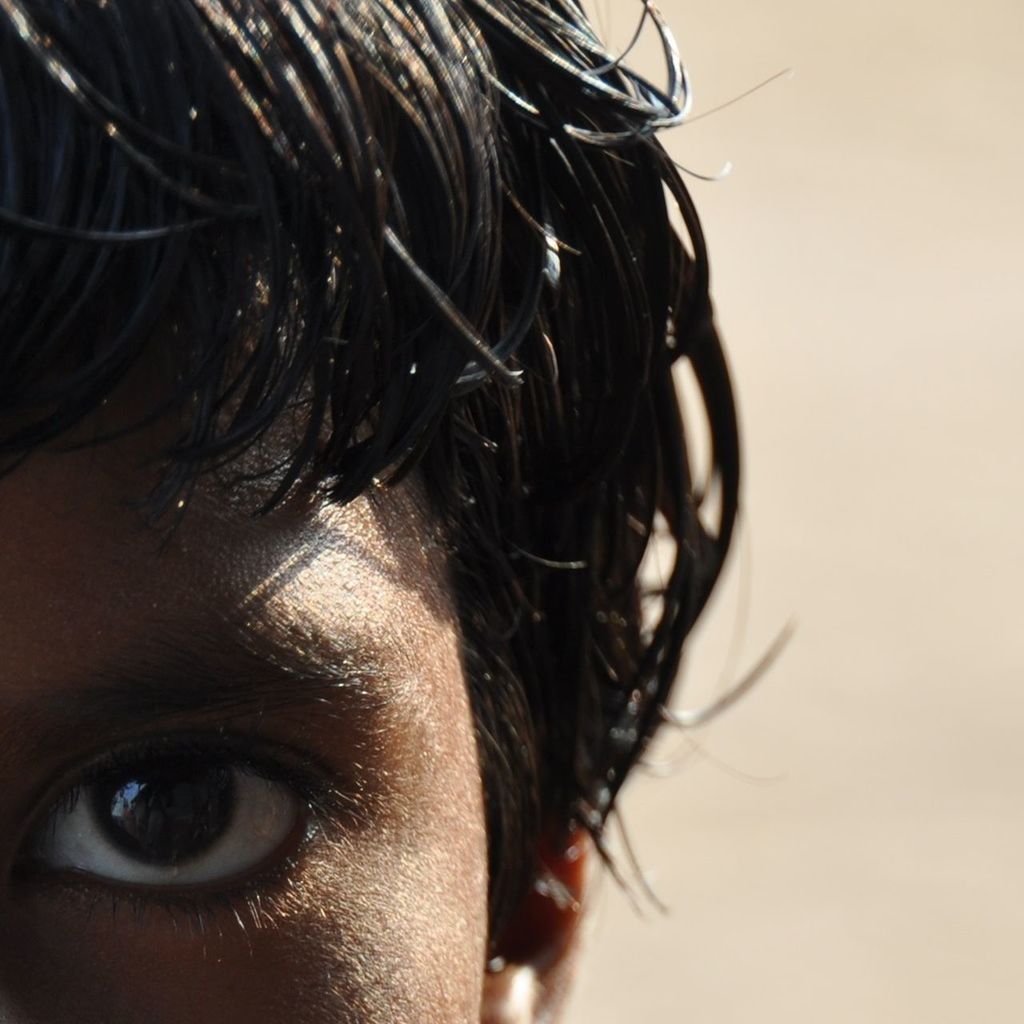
pixel 847 843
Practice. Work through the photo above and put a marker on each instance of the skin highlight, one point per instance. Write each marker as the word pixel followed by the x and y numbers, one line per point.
pixel 383 916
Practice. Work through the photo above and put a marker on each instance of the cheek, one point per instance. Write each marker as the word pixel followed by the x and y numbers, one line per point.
pixel 343 946
pixel 384 923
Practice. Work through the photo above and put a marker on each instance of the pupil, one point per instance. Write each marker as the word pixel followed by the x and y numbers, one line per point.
pixel 167 813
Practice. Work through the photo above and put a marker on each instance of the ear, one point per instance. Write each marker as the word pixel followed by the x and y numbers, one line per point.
pixel 529 975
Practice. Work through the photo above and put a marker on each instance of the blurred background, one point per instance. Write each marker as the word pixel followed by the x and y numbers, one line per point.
pixel 846 844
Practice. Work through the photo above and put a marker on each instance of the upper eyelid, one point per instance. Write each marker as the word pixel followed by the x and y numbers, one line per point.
pixel 314 783
pixel 164 689
pixel 209 683
pixel 150 750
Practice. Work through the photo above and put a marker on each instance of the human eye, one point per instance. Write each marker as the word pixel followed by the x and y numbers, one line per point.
pixel 172 816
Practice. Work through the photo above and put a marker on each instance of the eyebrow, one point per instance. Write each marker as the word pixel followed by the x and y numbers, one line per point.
pixel 210 671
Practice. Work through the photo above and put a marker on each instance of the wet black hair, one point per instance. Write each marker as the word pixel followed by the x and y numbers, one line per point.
pixel 439 235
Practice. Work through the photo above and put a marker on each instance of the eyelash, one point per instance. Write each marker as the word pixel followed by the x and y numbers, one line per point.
pixel 323 802
pixel 196 909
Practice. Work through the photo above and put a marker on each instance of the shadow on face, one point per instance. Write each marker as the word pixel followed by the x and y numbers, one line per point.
pixel 238 778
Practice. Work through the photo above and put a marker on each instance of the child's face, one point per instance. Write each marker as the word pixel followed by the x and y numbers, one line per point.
pixel 227 678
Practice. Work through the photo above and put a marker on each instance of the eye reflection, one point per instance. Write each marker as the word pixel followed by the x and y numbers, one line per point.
pixel 174 819
pixel 167 815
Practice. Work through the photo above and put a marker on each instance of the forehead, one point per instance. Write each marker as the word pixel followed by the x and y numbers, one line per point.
pixel 80 562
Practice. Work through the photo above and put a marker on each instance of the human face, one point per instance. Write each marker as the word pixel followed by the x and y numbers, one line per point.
pixel 303 669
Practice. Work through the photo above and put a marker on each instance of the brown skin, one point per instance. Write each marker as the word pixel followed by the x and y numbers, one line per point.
pixel 380 913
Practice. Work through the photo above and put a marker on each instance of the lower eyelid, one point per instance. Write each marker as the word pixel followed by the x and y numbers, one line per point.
pixel 257 902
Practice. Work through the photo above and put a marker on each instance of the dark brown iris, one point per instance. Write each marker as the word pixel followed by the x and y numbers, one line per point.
pixel 166 813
